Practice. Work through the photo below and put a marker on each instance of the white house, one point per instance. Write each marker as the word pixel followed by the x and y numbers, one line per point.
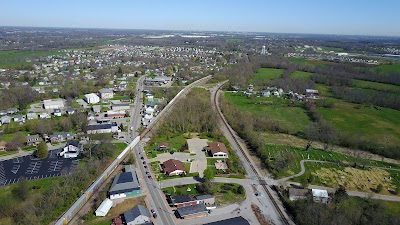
pixel 91 98
pixel 5 119
pixel 31 116
pixel 218 149
pixel 57 112
pixel 104 207
pixel 53 104
pixel 19 118
pixel 44 115
pixel 71 150
pixel 320 195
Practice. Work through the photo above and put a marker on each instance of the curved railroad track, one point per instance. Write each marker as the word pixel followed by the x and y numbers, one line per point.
pixel 262 182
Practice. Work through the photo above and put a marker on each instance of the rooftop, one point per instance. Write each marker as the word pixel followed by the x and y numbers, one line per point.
pixel 136 211
pixel 125 182
pixel 232 221
pixel 216 147
pixel 192 209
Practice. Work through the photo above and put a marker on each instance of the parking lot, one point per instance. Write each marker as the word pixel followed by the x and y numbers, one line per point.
pixel 32 168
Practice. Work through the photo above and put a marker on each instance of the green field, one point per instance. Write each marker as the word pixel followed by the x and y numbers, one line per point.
pixel 368 122
pixel 234 40
pixel 309 62
pixel 376 86
pixel 301 74
pixel 265 74
pixel 293 118
pixel 387 69
pixel 12 58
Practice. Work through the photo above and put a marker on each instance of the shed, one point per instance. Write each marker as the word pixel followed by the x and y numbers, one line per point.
pixel 104 207
pixel 320 195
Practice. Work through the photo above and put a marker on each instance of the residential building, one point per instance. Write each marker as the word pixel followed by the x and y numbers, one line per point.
pixel 296 193
pixel 31 116
pixel 71 111
pixel 106 93
pixel 5 119
pixel 33 139
pixel 91 98
pixel 218 149
pixel 104 207
pixel 125 184
pixel 19 118
pixel 182 200
pixel 53 104
pixel 57 112
pixel 320 195
pixel 44 115
pixel 191 211
pixel 3 112
pixel 231 221
pixel 173 167
pixel 102 128
pixel 61 136
pixel 137 215
pixel 120 106
pixel 12 110
pixel 311 93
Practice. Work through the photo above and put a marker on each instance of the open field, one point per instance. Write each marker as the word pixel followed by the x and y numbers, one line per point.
pixel 12 58
pixel 376 86
pixel 387 69
pixel 301 74
pixel 293 118
pixel 308 62
pixel 265 74
pixel 380 125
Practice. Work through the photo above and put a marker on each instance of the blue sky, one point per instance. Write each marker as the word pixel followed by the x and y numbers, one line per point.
pixel 361 17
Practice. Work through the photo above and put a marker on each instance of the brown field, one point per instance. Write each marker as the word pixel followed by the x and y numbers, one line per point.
pixel 356 179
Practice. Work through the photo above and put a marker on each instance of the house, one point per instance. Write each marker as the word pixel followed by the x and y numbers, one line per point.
pixel 182 200
pixel 265 93
pixel 3 147
pixel 31 116
pixel 19 118
pixel 125 99
pixel 320 195
pixel 173 167
pixel 91 98
pixel 137 215
pixel 311 93
pixel 296 194
pixel 104 207
pixel 125 184
pixel 207 200
pixel 191 211
pixel 90 116
pixel 106 93
pixel 70 150
pixel 162 146
pixel 12 110
pixel 33 139
pixel 53 104
pixel 102 128
pixel 57 112
pixel 3 112
pixel 96 108
pixel 218 149
pixel 231 221
pixel 61 136
pixel 120 106
pixel 71 111
pixel 44 115
pixel 116 114
pixel 5 119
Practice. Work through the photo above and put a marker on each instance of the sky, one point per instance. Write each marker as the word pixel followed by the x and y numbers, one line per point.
pixel 354 17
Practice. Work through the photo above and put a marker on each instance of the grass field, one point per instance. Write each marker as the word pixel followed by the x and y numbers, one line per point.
pixel 376 86
pixel 293 118
pixel 12 58
pixel 387 69
pixel 379 125
pixel 301 74
pixel 309 62
pixel 265 74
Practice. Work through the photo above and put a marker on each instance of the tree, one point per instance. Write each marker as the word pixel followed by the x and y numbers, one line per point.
pixel 16 142
pixel 22 189
pixel 379 188
pixel 304 182
pixel 240 189
pixel 209 174
pixel 42 150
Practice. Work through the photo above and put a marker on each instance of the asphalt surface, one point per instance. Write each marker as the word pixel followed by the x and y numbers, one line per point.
pixel 30 167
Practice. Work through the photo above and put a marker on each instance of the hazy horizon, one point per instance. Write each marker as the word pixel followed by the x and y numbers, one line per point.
pixel 255 16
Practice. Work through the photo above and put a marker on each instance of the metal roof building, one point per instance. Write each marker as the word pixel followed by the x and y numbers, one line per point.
pixel 125 184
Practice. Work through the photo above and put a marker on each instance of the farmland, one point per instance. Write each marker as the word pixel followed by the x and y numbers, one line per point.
pixel 13 58
pixel 387 69
pixel 265 74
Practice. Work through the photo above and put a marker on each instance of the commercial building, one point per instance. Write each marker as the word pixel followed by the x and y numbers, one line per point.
pixel 53 104
pixel 91 98
pixel 192 211
pixel 106 93
pixel 125 184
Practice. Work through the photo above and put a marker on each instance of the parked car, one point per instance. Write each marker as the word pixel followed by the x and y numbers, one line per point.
pixel 154 213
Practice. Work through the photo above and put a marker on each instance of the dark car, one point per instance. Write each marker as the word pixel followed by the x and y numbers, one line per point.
pixel 149 176
pixel 142 157
pixel 154 213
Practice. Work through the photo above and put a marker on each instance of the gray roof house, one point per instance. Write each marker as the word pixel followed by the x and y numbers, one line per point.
pixel 191 211
pixel 125 184
pixel 31 116
pixel 137 215
pixel 12 110
pixel 5 119
pixel 232 221
pixel 19 118
pixel 32 139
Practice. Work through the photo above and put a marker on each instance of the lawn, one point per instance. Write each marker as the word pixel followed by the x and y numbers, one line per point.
pixel 301 74
pixel 175 142
pixel 12 58
pixel 303 61
pixel 10 136
pixel 265 74
pixel 387 69
pixel 293 118
pixel 376 86
pixel 366 121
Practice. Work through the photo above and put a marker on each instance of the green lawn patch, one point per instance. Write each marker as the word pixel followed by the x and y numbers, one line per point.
pixel 376 86
pixel 13 58
pixel 301 74
pixel 10 136
pixel 387 69
pixel 265 74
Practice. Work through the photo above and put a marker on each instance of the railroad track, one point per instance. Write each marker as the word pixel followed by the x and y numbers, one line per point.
pixel 262 182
